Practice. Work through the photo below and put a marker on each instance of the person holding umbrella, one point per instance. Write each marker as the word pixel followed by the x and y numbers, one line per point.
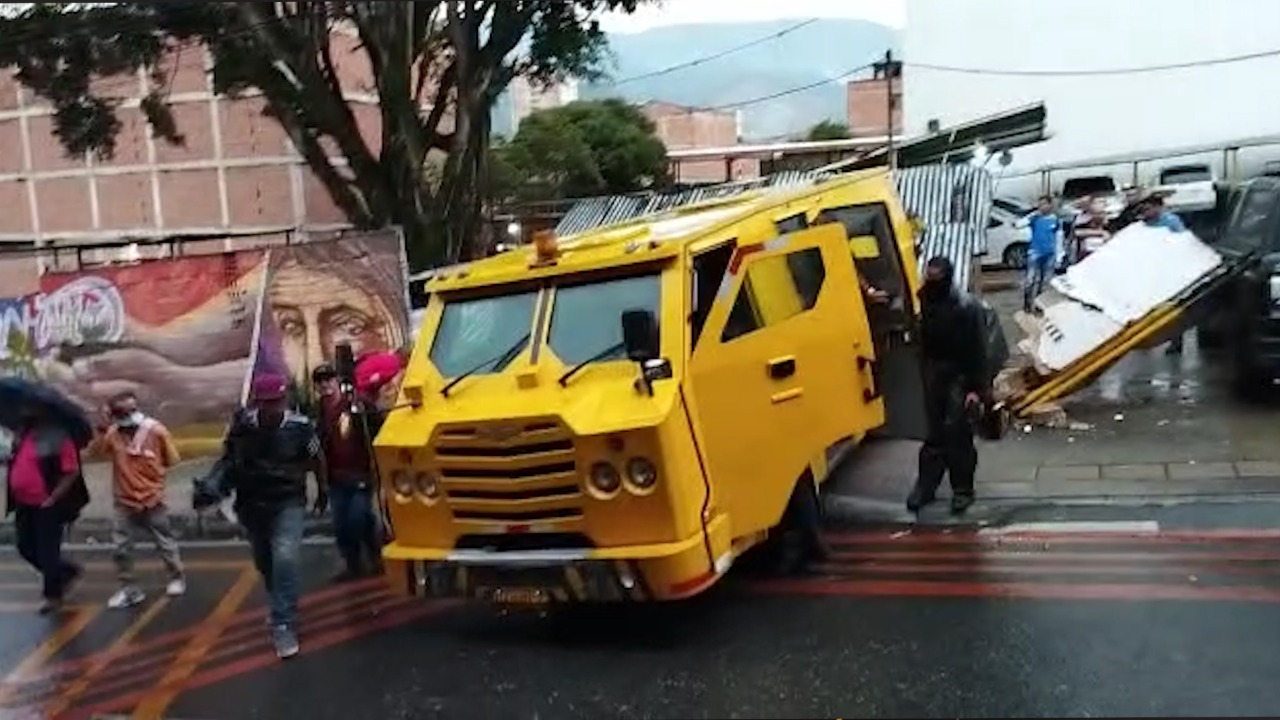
pixel 46 489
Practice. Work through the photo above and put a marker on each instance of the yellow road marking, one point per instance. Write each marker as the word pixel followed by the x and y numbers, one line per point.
pixel 117 649
pixel 64 634
pixel 160 697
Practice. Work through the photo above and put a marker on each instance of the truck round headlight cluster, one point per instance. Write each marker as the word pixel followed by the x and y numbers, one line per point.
pixel 642 475
pixel 427 486
pixel 402 484
pixel 604 479
pixel 408 485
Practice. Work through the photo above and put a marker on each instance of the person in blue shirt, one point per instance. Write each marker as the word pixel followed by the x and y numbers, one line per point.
pixel 1154 215
pixel 1043 251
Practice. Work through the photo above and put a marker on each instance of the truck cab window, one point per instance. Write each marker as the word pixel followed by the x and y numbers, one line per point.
pixel 776 289
pixel 473 331
pixel 586 319
pixel 708 273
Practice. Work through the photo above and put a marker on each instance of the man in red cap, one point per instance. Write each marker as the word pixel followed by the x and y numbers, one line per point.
pixel 347 426
pixel 269 451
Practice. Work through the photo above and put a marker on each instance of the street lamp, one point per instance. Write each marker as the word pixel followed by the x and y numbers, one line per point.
pixel 514 230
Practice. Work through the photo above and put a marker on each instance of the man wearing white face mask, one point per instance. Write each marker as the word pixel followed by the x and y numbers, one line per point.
pixel 141 452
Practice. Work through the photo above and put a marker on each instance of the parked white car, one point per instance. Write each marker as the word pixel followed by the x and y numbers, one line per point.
pixel 1008 234
pixel 1188 188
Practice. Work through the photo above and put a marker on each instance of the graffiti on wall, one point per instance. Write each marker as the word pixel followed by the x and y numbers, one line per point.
pixel 186 334
pixel 177 333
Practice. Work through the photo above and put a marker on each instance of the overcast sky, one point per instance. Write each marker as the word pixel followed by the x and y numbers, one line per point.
pixel 684 12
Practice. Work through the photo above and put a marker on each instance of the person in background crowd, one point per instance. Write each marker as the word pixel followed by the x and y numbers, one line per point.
pixel 1043 251
pixel 347 427
pixel 46 492
pixel 1154 214
pixel 141 452
pixel 1091 232
pixel 955 385
pixel 268 452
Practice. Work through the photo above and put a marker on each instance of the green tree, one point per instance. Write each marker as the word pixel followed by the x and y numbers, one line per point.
pixel 437 69
pixel 584 148
pixel 828 130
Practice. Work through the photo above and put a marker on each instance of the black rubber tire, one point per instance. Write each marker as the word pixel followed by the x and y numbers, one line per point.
pixel 1015 256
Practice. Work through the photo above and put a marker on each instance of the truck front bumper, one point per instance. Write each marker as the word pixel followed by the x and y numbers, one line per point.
pixel 635 573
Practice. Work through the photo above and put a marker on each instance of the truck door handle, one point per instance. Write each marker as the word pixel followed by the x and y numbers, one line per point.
pixel 781 368
pixel 872 393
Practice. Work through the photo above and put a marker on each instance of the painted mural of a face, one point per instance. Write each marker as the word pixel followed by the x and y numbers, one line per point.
pixel 330 293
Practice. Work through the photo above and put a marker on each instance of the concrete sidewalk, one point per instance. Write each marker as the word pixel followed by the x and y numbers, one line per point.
pixel 94 525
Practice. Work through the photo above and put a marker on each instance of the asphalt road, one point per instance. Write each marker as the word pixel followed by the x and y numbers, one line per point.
pixel 1170 611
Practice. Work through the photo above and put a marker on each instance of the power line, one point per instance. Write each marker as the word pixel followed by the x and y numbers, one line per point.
pixel 789 91
pixel 1087 73
pixel 716 56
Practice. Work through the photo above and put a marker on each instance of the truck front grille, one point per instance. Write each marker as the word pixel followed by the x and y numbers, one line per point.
pixel 509 472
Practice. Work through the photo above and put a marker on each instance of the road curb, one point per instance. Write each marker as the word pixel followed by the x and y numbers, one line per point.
pixel 97 531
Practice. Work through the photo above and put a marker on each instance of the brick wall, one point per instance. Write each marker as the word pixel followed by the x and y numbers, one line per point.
pixel 868 107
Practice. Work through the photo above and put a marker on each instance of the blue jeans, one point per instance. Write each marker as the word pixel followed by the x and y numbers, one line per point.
pixel 1039 271
pixel 276 539
pixel 355 528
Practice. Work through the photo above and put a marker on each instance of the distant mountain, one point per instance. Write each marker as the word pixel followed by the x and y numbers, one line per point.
pixel 824 50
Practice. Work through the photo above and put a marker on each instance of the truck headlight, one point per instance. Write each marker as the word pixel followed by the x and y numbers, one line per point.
pixel 604 479
pixel 426 485
pixel 402 483
pixel 642 474
pixel 1273 286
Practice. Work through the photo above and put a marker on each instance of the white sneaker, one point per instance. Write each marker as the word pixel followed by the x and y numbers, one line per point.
pixel 176 587
pixel 126 598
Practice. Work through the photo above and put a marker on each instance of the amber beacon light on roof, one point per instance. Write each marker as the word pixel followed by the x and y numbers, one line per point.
pixel 546 248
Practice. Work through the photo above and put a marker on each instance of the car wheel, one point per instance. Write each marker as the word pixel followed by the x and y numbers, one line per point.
pixel 1015 256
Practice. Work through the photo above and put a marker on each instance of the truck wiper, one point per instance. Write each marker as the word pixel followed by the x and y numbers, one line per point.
pixel 564 379
pixel 495 362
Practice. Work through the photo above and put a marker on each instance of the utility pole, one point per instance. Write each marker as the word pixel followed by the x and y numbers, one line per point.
pixel 886 69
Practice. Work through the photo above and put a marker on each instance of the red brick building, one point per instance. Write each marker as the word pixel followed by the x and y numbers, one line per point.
pixel 868 103
pixel 686 128
pixel 236 173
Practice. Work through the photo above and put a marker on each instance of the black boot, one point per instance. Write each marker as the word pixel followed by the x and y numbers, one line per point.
pixel 961 502
pixel 919 498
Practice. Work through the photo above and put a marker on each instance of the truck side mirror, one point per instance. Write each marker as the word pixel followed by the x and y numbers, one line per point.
pixel 640 335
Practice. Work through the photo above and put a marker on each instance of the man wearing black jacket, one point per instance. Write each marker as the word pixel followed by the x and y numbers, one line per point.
pixel 267 455
pixel 955 385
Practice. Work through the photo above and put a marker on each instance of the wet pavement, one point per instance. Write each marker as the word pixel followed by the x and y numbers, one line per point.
pixel 1061 612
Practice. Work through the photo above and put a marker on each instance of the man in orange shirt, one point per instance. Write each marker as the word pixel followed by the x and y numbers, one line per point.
pixel 141 452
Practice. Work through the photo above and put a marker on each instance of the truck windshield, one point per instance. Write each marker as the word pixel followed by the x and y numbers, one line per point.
pixel 587 319
pixel 473 331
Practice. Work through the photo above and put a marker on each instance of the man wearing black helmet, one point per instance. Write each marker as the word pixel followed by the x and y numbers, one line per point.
pixel 955 386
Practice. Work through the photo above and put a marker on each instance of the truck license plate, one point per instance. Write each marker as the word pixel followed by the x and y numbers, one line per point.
pixel 519 596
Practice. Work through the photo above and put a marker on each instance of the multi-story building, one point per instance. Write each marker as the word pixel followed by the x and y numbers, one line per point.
pixel 528 98
pixel 687 128
pixel 236 172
